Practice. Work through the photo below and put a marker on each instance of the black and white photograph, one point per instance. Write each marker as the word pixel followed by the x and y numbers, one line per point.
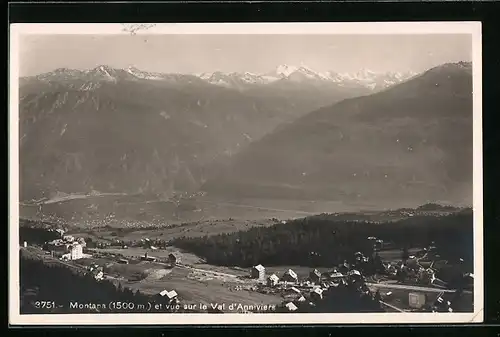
pixel 298 172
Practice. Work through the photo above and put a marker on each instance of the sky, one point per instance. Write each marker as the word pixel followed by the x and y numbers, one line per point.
pixel 196 54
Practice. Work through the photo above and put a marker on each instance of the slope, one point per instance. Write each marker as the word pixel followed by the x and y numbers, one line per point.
pixel 108 130
pixel 411 143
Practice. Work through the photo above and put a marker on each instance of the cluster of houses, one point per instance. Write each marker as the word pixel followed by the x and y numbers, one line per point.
pixel 419 269
pixel 312 289
pixel 67 247
pixel 315 276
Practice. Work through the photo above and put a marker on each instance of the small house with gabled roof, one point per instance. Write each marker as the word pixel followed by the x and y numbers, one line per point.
pixel 290 276
pixel 315 276
pixel 291 307
pixel 273 280
pixel 259 272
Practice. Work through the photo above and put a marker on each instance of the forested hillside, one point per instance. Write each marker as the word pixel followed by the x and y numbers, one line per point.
pixel 324 241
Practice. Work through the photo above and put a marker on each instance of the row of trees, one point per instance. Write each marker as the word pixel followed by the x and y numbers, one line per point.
pixel 323 241
pixel 37 235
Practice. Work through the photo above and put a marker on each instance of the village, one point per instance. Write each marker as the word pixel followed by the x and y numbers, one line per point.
pixel 403 283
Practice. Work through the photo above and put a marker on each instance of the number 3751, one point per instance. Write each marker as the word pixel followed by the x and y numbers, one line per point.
pixel 44 304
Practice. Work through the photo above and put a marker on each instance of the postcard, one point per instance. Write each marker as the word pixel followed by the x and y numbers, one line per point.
pixel 245 173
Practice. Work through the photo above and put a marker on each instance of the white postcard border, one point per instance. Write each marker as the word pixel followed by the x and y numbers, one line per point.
pixel 379 28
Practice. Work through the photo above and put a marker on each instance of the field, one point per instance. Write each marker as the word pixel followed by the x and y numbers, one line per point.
pixel 202 287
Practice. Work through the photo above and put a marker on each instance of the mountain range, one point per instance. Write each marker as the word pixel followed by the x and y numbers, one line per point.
pixel 281 75
pixel 109 129
pixel 290 133
pixel 411 142
pixel 301 74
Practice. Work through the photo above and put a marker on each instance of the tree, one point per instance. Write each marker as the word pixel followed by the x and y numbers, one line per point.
pixel 405 255
pixel 333 240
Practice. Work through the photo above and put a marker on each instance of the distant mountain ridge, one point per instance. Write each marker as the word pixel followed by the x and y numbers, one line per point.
pixel 127 130
pixel 298 74
pixel 363 78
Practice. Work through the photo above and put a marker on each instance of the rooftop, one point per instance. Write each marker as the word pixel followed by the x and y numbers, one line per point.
pixel 291 273
pixel 171 294
pixel 274 277
pixel 260 267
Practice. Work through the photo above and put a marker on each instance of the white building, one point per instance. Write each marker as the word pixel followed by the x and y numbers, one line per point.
pixel 259 272
pixel 76 252
pixel 336 276
pixel 291 307
pixel 171 295
pixel 99 275
pixel 354 273
pixel 416 300
pixel 317 293
pixel 273 280
pixel 290 276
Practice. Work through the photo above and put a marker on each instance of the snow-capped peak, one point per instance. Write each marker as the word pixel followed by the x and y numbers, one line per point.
pixel 298 73
pixel 363 77
pixel 285 70
pixel 143 74
pixel 132 69
pixel 105 71
pixel 205 76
